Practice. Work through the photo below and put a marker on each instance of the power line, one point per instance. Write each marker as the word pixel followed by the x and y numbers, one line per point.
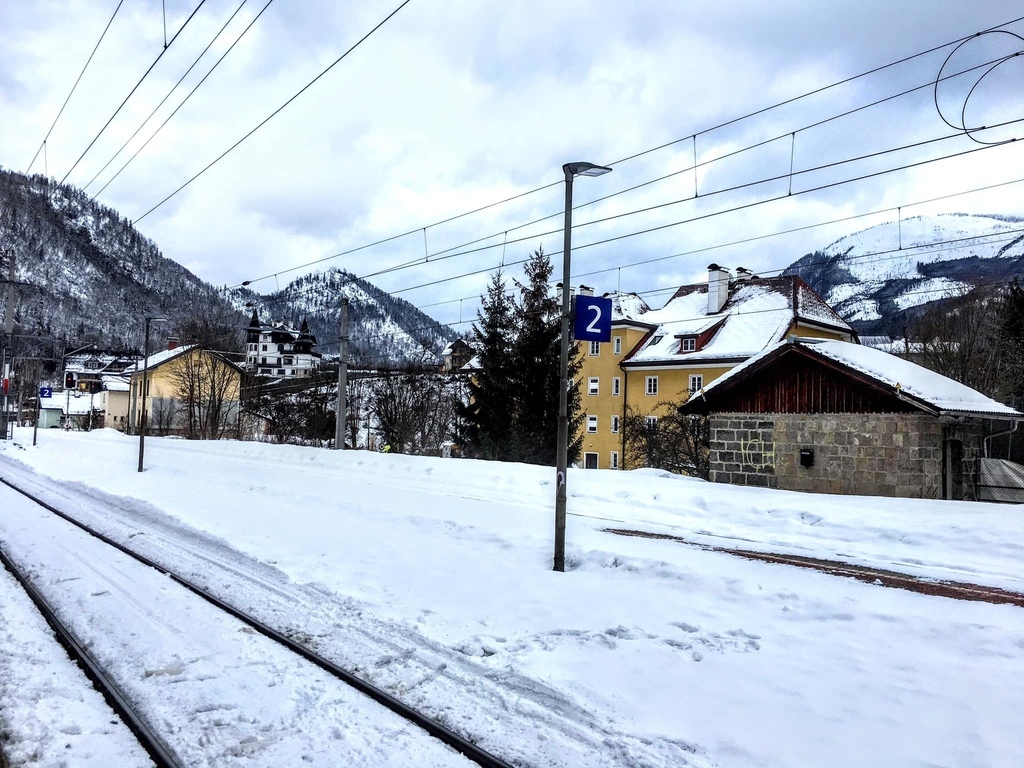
pixel 141 80
pixel 75 86
pixel 166 97
pixel 735 209
pixel 940 246
pixel 732 121
pixel 293 296
pixel 274 113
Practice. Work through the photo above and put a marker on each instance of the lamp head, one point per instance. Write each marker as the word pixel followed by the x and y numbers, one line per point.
pixel 585 169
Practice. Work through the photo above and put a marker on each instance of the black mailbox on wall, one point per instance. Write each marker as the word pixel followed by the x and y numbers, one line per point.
pixel 806 457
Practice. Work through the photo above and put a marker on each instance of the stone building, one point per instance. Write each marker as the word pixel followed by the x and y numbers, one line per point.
pixel 834 417
pixel 658 357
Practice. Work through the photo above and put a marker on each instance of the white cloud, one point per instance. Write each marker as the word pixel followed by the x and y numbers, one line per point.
pixel 448 108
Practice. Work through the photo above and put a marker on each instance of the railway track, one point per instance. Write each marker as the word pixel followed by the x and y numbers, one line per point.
pixel 157 744
pixel 882 577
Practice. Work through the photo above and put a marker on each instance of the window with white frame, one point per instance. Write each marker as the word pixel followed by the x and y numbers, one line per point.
pixel 618 345
pixel 652 385
pixel 593 384
pixel 696 382
pixel 595 348
pixel 616 383
pixel 652 421
pixel 689 344
pixel 615 425
pixel 615 460
pixel 592 424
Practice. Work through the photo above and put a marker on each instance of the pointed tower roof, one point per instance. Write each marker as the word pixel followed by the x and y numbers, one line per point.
pixel 254 322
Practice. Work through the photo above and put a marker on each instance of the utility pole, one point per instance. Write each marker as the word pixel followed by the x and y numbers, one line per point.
pixel 7 359
pixel 342 418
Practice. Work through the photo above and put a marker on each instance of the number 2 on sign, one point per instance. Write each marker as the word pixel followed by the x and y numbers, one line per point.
pixel 592 326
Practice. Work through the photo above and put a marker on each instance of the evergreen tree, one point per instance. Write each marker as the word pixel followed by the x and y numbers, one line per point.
pixel 536 354
pixel 512 414
pixel 486 420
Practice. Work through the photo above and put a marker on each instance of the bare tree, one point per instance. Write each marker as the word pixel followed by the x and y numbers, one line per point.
pixel 959 338
pixel 674 441
pixel 415 412
pixel 164 412
pixel 206 390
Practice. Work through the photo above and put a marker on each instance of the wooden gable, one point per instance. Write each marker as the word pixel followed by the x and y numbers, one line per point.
pixel 796 381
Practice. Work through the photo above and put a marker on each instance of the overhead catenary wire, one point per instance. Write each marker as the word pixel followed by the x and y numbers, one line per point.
pixel 42 146
pixel 929 84
pixel 132 92
pixel 277 111
pixel 870 257
pixel 168 95
pixel 746 206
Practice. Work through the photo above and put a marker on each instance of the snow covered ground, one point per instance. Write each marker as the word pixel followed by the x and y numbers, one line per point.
pixel 432 578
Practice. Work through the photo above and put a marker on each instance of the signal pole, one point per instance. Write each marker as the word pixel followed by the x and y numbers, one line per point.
pixel 342 417
pixel 7 359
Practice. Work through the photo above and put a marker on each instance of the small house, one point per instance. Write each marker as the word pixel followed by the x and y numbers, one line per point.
pixel 836 417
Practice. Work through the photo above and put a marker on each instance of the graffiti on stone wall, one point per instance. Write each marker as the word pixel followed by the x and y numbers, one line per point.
pixel 759 454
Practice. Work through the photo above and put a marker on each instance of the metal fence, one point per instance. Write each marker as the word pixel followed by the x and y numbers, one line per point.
pixel 1000 481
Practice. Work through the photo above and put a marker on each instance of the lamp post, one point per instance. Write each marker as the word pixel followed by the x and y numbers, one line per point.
pixel 145 382
pixel 571 170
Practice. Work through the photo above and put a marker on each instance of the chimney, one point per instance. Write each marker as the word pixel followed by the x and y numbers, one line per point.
pixel 586 290
pixel 742 273
pixel 172 343
pixel 718 288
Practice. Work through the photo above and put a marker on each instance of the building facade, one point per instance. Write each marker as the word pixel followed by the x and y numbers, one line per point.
pixel 658 358
pixel 276 350
pixel 188 391
pixel 833 417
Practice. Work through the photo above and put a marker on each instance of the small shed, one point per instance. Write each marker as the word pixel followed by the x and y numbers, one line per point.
pixel 837 417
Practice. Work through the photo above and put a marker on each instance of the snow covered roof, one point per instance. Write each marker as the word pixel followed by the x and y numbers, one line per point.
pixel 943 393
pixel 757 314
pixel 627 306
pixel 907 379
pixel 113 383
pixel 159 358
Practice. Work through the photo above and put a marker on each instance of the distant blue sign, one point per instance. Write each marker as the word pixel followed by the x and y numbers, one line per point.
pixel 45 392
pixel 593 319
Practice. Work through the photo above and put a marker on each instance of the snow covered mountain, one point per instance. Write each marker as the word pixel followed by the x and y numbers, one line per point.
pixel 383 330
pixel 85 274
pixel 880 277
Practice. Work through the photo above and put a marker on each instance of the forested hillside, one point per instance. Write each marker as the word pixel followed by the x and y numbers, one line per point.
pixel 384 331
pixel 86 275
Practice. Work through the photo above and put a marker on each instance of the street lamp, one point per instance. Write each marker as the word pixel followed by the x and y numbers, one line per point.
pixel 571 170
pixel 145 382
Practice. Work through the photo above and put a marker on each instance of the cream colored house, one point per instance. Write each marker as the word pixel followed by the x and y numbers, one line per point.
pixel 187 391
pixel 662 356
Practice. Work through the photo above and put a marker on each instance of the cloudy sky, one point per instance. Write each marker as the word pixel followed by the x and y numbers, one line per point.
pixel 455 105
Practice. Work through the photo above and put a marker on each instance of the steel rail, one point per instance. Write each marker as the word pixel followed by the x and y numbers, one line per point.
pixel 457 742
pixel 158 752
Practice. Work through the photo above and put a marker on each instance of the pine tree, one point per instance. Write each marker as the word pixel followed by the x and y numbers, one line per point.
pixel 512 414
pixel 486 420
pixel 536 355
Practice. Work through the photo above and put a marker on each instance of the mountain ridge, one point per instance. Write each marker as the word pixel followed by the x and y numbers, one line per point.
pixel 85 274
pixel 880 279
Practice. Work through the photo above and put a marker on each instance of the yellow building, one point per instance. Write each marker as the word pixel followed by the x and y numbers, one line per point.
pixel 662 356
pixel 188 391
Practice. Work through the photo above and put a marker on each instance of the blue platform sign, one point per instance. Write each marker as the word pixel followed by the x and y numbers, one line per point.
pixel 593 319
pixel 45 392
